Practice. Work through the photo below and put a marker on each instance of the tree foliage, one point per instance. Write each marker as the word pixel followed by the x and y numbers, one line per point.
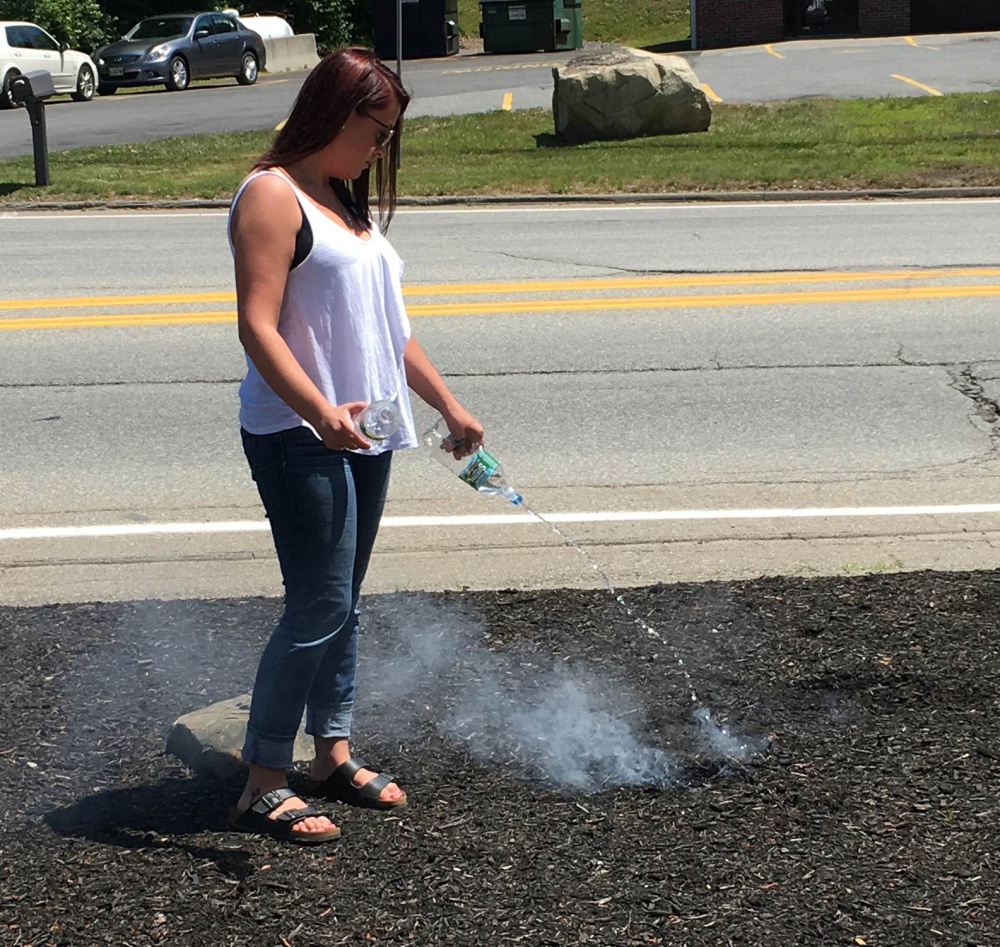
pixel 81 23
pixel 87 24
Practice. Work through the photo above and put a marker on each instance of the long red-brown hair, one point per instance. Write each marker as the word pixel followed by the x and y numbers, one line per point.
pixel 345 81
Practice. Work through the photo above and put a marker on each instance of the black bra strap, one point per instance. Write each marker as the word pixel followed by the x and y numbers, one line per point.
pixel 303 238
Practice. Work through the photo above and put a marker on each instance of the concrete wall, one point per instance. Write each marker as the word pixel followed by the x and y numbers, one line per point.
pixel 738 22
pixel 291 53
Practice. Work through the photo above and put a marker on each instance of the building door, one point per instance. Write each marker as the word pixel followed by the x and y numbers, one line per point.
pixel 821 17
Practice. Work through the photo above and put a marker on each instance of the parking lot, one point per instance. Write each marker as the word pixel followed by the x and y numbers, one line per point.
pixel 853 68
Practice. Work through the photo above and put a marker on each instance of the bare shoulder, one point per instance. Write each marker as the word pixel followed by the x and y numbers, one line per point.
pixel 268 206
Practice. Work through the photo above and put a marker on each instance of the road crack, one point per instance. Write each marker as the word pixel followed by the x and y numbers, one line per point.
pixel 965 381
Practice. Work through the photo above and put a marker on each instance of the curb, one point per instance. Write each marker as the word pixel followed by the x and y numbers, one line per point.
pixel 677 197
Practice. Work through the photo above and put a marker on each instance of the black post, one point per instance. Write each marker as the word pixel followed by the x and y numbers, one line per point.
pixel 399 67
pixel 39 141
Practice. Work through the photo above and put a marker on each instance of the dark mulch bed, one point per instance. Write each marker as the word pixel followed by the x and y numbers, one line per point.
pixel 870 819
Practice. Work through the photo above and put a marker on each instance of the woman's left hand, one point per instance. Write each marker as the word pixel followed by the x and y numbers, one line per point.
pixel 465 428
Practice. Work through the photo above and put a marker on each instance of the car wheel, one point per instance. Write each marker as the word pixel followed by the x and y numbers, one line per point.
pixel 106 88
pixel 6 101
pixel 178 77
pixel 248 69
pixel 84 85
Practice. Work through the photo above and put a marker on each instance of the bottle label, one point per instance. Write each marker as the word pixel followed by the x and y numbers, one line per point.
pixel 479 469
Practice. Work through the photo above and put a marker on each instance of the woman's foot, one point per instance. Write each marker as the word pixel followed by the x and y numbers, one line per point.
pixel 262 781
pixel 331 753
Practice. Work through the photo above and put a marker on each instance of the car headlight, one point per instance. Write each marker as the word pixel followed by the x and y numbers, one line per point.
pixel 100 61
pixel 157 53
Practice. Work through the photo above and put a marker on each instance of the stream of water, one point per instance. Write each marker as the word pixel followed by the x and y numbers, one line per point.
pixel 727 744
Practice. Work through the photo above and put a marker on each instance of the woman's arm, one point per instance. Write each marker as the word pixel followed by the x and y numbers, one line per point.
pixel 425 380
pixel 265 222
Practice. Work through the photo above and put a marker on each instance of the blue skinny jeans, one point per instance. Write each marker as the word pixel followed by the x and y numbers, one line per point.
pixel 324 507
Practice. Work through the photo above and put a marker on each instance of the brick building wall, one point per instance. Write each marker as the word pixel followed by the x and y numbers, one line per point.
pixel 884 17
pixel 738 22
pixel 744 22
pixel 943 16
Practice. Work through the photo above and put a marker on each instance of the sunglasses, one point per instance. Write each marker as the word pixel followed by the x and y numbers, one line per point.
pixel 383 140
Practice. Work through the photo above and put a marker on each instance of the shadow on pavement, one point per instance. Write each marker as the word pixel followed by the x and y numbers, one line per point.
pixel 680 45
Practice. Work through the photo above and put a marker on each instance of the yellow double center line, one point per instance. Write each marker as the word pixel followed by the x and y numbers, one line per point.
pixel 913 286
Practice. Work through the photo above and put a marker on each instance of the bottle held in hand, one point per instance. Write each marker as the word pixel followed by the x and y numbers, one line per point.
pixel 379 421
pixel 480 469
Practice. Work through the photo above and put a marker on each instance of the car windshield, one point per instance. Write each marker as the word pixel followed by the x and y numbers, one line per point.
pixel 160 28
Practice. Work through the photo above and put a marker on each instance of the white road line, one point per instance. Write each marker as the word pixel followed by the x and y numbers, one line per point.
pixel 101 215
pixel 700 206
pixel 506 519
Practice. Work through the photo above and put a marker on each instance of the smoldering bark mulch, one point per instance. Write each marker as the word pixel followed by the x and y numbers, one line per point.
pixel 871 818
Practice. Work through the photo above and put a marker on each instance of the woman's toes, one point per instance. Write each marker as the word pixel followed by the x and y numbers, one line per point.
pixel 312 825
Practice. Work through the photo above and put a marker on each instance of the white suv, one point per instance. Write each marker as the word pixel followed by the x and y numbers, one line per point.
pixel 25 47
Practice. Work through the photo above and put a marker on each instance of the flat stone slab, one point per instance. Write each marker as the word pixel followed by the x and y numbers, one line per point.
pixel 210 740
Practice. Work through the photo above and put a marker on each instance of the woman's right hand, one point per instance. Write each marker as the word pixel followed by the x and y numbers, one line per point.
pixel 337 428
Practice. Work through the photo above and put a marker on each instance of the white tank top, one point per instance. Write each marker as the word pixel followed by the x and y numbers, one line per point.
pixel 345 322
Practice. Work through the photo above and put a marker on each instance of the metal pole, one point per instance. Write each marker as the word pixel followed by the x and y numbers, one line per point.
pixel 694 24
pixel 399 66
pixel 399 39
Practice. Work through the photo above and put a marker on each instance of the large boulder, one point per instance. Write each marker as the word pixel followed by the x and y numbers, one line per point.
pixel 627 93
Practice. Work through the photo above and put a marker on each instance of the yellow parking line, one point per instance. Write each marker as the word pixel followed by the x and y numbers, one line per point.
pixel 928 89
pixel 770 49
pixel 910 40
pixel 588 284
pixel 512 307
pixel 508 101
pixel 710 92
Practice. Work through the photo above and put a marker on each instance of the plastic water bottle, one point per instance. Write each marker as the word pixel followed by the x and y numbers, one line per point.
pixel 480 470
pixel 379 421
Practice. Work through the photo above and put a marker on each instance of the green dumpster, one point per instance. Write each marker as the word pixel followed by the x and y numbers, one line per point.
pixel 527 26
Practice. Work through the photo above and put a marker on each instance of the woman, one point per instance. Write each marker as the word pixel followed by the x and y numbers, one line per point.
pixel 322 320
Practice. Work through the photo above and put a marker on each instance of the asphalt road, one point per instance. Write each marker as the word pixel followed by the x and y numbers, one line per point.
pixel 893 66
pixel 677 371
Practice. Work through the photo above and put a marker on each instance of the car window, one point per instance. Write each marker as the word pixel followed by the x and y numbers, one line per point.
pixel 16 38
pixel 39 39
pixel 163 27
pixel 224 24
pixel 204 23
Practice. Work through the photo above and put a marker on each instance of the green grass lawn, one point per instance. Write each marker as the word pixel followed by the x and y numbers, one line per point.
pixel 823 143
pixel 633 22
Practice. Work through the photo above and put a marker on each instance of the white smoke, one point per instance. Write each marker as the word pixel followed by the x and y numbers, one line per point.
pixel 568 725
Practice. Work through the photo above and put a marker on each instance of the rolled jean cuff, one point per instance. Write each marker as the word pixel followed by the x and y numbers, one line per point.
pixel 274 754
pixel 329 722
